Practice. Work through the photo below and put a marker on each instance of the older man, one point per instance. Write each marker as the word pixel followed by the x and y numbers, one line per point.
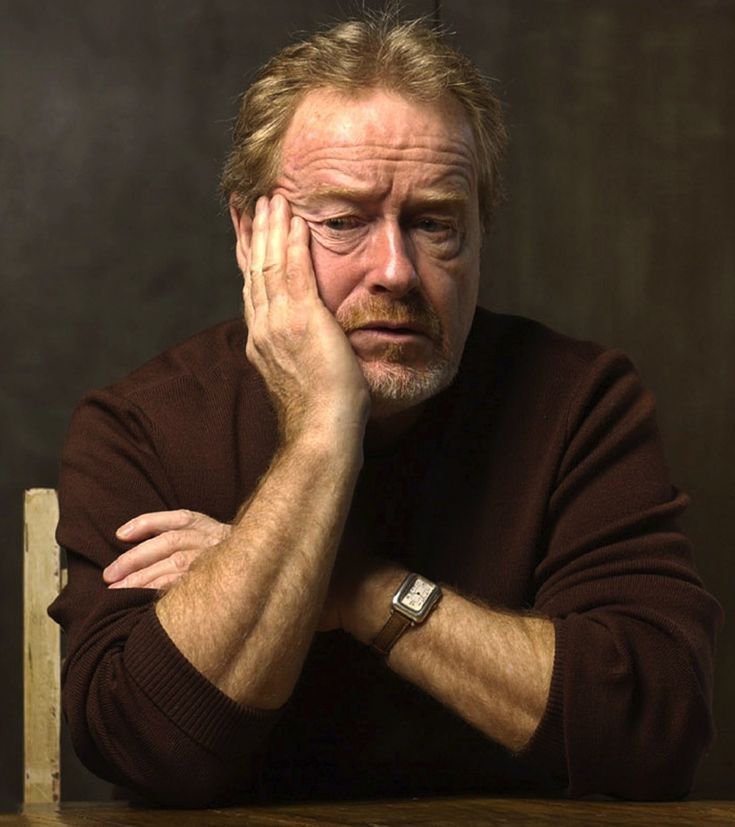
pixel 383 542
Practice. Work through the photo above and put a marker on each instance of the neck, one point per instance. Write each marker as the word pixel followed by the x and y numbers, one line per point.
pixel 384 430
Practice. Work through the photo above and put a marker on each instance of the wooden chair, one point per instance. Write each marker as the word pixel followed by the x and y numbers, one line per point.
pixel 42 579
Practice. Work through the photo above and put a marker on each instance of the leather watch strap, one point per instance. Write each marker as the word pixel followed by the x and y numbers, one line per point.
pixel 389 634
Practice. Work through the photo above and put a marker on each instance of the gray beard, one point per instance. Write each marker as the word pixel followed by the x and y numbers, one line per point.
pixel 395 387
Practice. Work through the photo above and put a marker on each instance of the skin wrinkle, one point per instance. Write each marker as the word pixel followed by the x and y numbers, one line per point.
pixel 245 616
pixel 364 166
pixel 390 169
pixel 323 193
pixel 413 147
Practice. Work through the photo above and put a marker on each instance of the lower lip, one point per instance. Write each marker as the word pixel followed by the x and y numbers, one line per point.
pixel 374 335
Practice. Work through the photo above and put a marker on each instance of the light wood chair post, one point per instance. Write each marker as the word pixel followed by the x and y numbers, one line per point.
pixel 41 649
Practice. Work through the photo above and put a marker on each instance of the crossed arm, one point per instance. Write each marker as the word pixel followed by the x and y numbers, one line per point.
pixel 242 602
pixel 629 711
pixel 492 668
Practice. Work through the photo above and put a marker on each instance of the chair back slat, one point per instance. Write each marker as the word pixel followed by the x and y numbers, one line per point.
pixel 41 649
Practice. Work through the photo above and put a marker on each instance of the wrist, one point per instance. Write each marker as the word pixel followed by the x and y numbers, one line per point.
pixel 337 446
pixel 331 425
pixel 365 608
pixel 332 461
pixel 411 606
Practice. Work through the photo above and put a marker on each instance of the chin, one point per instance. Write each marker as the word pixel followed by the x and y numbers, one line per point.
pixel 396 387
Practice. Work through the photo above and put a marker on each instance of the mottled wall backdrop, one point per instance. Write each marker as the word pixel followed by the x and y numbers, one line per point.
pixel 618 225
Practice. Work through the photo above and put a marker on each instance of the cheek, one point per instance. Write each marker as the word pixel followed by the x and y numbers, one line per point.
pixel 452 289
pixel 336 275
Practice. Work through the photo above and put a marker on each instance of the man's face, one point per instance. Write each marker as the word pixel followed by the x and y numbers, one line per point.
pixel 388 188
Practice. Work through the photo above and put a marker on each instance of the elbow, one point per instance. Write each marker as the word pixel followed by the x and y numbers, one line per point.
pixel 658 778
pixel 666 769
pixel 163 767
pixel 673 738
pixel 177 776
pixel 199 790
pixel 637 714
pixel 656 756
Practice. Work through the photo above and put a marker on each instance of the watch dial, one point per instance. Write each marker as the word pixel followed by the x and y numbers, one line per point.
pixel 416 597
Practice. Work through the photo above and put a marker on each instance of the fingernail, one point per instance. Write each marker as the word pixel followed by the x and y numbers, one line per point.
pixel 124 530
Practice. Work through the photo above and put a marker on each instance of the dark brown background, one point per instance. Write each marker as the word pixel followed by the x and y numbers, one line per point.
pixel 619 225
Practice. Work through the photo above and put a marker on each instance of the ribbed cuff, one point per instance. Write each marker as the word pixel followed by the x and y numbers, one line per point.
pixel 547 746
pixel 187 698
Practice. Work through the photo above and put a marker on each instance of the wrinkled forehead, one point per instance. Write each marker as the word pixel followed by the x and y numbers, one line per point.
pixel 381 125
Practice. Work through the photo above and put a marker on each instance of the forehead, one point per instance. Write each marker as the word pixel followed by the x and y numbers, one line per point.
pixel 378 134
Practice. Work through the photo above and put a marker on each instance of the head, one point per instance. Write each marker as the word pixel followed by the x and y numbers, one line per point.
pixel 407 140
pixel 407 58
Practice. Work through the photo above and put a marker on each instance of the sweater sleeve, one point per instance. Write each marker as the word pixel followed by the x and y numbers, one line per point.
pixel 630 707
pixel 139 713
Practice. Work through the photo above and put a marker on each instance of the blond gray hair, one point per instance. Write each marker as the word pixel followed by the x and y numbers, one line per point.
pixel 409 58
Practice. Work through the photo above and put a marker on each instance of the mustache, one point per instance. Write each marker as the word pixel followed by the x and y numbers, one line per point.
pixel 412 312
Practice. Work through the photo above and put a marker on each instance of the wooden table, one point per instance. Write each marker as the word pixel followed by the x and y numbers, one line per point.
pixel 440 812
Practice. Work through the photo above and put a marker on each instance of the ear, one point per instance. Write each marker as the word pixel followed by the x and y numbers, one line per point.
pixel 242 223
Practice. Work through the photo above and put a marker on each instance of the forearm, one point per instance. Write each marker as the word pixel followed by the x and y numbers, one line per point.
pixel 492 668
pixel 245 613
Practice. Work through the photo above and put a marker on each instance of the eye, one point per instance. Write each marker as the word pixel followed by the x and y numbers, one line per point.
pixel 341 223
pixel 430 225
pixel 436 228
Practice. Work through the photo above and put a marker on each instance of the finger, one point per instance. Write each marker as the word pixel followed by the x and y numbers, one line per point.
pixel 156 522
pixel 151 551
pixel 257 252
pixel 172 566
pixel 242 224
pixel 300 274
pixel 274 266
pixel 137 558
pixel 247 299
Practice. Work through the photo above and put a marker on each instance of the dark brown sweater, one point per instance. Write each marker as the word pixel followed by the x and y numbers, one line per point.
pixel 536 482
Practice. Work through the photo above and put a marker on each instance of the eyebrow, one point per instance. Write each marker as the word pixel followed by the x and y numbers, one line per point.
pixel 422 197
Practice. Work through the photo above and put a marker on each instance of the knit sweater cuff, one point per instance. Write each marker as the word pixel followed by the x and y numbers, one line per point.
pixel 187 698
pixel 547 746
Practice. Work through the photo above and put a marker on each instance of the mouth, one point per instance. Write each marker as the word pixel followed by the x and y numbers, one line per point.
pixel 391 328
pixel 398 341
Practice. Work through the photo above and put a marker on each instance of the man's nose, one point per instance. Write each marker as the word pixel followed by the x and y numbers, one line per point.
pixel 392 266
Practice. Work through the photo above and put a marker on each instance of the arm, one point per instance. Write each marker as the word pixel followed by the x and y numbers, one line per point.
pixel 141 712
pixel 611 693
pixel 245 614
pixel 636 628
pixel 627 708
pixel 492 668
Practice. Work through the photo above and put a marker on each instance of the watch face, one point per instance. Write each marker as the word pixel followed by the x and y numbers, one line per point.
pixel 417 594
pixel 416 597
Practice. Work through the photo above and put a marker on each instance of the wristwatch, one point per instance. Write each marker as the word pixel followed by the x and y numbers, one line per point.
pixel 411 604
